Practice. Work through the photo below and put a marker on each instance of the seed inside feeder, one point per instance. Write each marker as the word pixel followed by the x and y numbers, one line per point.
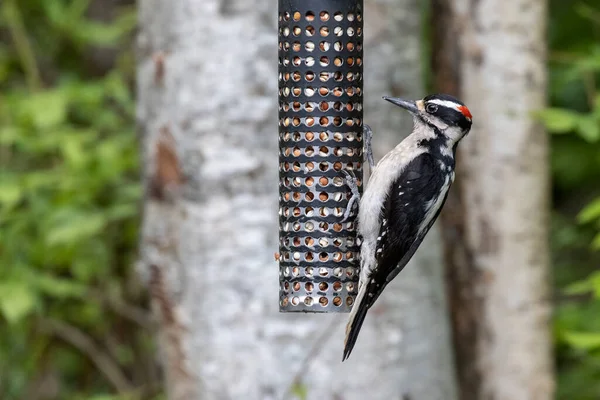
pixel 323 286
pixel 337 301
pixel 323 301
pixel 338 31
pixel 324 46
pixel 324 31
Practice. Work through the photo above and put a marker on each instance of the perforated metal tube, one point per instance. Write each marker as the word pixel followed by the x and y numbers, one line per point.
pixel 320 133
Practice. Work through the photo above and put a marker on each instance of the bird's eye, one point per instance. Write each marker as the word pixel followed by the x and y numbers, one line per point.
pixel 431 108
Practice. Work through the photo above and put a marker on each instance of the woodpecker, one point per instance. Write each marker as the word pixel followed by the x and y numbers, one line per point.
pixel 404 196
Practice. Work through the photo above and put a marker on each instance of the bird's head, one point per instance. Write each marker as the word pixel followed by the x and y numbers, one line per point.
pixel 442 111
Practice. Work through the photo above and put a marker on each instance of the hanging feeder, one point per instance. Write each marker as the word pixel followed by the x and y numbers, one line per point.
pixel 320 134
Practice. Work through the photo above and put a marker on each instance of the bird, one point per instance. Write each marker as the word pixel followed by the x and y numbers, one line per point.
pixel 404 196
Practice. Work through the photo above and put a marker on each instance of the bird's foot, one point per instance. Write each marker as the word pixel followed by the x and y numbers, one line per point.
pixel 352 183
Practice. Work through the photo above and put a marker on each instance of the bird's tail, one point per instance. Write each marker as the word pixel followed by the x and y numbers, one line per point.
pixel 357 317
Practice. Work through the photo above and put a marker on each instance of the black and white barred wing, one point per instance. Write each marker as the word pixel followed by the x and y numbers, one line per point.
pixel 410 209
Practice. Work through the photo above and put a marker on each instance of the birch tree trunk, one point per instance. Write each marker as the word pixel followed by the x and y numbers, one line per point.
pixel 496 224
pixel 207 92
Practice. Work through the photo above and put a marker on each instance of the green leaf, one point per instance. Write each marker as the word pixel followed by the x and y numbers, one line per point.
pixel 70 227
pixel 17 300
pixel 582 340
pixel 589 129
pixel 11 193
pixel 596 242
pixel 580 287
pixel 590 213
pixel 46 109
pixel 58 287
pixel 589 284
pixel 558 120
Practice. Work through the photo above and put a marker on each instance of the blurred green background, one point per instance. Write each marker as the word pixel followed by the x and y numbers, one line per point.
pixel 74 320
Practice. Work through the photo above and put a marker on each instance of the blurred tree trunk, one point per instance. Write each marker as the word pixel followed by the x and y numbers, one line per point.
pixel 492 54
pixel 207 78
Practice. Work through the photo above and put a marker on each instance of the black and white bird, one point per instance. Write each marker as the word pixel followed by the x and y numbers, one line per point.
pixel 404 196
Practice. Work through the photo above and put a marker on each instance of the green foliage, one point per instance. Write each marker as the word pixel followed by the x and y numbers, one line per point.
pixel 574 118
pixel 69 206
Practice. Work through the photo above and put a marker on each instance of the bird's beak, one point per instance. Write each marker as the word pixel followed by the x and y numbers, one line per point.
pixel 408 105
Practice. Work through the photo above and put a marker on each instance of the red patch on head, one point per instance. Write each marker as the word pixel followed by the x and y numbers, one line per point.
pixel 465 111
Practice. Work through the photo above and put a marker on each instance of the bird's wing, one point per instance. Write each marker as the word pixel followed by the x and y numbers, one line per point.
pixel 409 211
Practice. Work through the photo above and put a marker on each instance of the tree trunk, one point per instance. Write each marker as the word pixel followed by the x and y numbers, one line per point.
pixel 207 90
pixel 492 54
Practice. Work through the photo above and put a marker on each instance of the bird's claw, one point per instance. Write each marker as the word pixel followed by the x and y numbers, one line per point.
pixel 352 183
pixel 368 135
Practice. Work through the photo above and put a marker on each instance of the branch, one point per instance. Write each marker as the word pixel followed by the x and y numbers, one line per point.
pixel 125 310
pixel 17 30
pixel 86 345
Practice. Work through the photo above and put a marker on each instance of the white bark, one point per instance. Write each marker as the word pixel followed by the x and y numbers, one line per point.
pixel 505 172
pixel 207 78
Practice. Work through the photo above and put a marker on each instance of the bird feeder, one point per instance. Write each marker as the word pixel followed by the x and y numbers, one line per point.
pixel 320 134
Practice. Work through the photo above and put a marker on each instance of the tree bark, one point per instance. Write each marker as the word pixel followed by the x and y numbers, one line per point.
pixel 492 54
pixel 207 90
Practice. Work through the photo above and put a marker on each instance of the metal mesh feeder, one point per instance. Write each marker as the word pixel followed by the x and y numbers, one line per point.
pixel 320 134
